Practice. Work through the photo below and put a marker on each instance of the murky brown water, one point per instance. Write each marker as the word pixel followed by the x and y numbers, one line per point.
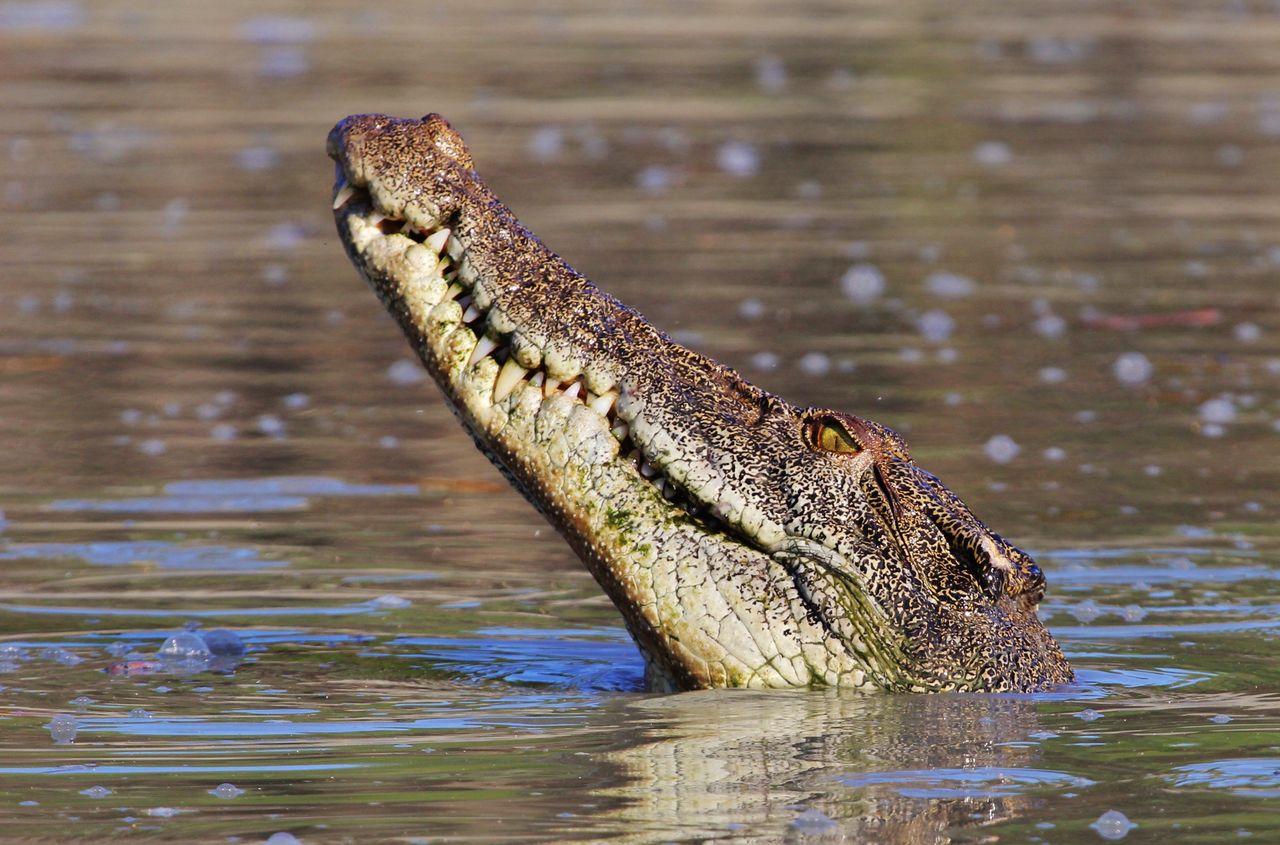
pixel 1042 240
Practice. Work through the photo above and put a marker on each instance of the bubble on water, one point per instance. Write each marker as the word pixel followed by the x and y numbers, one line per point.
pixel 81 701
pixel 765 361
pixel 1220 410
pixel 275 274
pixel 1053 375
pixel 185 647
pixel 175 214
pixel 813 822
pixel 390 602
pixel 1050 326
pixel 153 447
pixel 1088 715
pixel 911 355
pixel 1247 332
pixel 936 325
pixel 405 372
pixel 1229 155
pixel 130 416
pixel 546 143
pixel 282 838
pixel 1113 824
pixel 223 643
pixel 257 159
pixel 738 158
pixel 862 283
pixel 139 713
pixel 949 285
pixel 751 309
pixel 1047 49
pixel 162 812
pixel 1133 613
pixel 271 425
pixel 947 355
pixel 226 790
pixel 4 523
pixel 992 153
pixel 1132 368
pixel 285 237
pixel 814 363
pixel 296 401
pixel 62 657
pixel 1086 416
pixel 654 179
pixel 62 728
pixel 1212 111
pixel 278 29
pixel 1213 430
pixel 1002 449
pixel 1220 719
pixel 1086 611
pixel 771 74
pixel 388 441
pixel 223 432
pixel 1054 453
pixel 96 792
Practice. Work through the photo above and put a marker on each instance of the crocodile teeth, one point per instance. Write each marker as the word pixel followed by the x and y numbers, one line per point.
pixel 437 241
pixel 471 314
pixel 511 375
pixel 621 430
pixel 572 390
pixel 454 245
pixel 484 346
pixel 647 469
pixel 344 195
pixel 551 386
pixel 603 404
pixel 538 378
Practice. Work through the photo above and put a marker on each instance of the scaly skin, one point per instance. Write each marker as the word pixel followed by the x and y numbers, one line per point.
pixel 747 542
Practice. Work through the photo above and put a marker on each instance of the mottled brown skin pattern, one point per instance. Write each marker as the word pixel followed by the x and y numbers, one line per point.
pixel 842 552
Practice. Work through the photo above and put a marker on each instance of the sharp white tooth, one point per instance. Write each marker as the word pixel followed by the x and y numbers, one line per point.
pixel 484 346
pixel 471 314
pixel 344 195
pixel 538 378
pixel 621 430
pixel 437 241
pixel 661 484
pixel 452 292
pixel 465 301
pixel 551 386
pixel 441 266
pixel 647 469
pixel 603 404
pixel 455 248
pixel 511 375
pixel 669 492
pixel 572 390
pixel 376 218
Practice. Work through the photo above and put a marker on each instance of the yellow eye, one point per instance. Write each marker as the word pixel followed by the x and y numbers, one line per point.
pixel 827 434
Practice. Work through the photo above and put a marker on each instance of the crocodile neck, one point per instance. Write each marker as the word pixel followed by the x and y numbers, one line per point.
pixel 746 541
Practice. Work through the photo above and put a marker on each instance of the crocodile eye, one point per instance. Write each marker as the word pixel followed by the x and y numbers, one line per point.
pixel 827 434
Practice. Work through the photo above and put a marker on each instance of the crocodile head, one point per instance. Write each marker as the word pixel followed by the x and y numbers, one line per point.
pixel 745 540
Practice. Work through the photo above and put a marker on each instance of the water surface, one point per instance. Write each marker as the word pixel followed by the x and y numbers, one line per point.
pixel 1043 242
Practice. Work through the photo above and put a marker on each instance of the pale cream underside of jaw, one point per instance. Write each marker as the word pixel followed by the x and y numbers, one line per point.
pixel 564 430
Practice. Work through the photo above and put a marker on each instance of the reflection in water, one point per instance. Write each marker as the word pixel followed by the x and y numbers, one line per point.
pixel 765 766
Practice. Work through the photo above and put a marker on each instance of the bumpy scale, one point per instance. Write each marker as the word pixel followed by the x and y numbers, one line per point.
pixel 746 542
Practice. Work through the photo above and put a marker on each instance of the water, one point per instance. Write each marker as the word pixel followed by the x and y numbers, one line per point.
pixel 1044 243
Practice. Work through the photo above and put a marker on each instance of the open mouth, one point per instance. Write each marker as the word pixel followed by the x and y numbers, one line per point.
pixel 434 272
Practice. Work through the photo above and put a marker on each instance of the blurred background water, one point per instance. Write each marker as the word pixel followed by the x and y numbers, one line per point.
pixel 1040 239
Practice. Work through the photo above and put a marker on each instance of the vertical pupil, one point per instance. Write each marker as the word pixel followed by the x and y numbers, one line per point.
pixel 833 439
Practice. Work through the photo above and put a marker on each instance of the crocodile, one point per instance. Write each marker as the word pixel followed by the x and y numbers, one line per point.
pixel 746 541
